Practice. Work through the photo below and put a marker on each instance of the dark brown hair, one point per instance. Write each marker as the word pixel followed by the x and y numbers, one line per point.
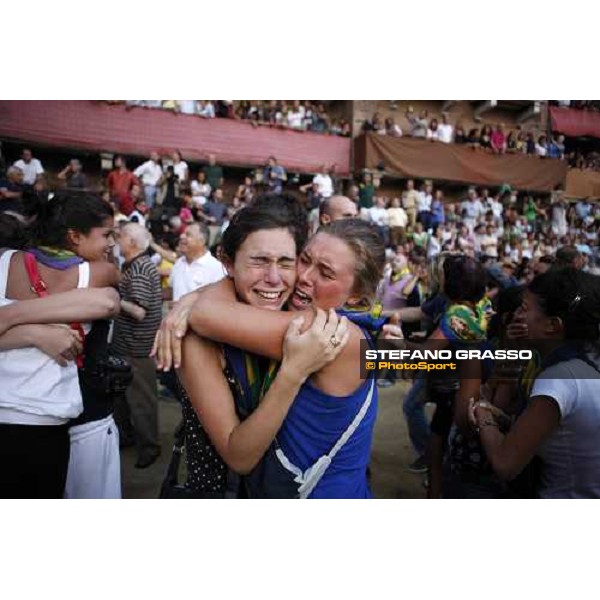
pixel 270 211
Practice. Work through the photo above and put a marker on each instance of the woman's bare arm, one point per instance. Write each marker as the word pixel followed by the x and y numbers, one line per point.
pixel 75 305
pixel 164 253
pixel 219 316
pixel 104 274
pixel 469 388
pixel 410 286
pixel 21 336
pixel 510 453
pixel 410 314
pixel 242 444
pixel 59 342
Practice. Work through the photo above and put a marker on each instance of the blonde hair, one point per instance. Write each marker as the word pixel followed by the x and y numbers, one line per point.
pixel 369 254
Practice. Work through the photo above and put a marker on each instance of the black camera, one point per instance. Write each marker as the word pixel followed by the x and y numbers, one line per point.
pixel 110 375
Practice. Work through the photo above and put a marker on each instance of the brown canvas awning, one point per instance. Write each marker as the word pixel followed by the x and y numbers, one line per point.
pixel 423 159
pixel 583 184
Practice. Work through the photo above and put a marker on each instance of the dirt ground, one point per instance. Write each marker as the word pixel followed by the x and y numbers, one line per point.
pixel 391 452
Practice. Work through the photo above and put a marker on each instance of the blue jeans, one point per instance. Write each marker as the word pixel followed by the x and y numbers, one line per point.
pixel 424 217
pixel 150 195
pixel 414 413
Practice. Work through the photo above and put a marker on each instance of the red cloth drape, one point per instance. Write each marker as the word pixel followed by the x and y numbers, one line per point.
pixel 574 123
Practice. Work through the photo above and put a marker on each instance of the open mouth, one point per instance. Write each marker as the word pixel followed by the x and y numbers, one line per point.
pixel 300 300
pixel 271 296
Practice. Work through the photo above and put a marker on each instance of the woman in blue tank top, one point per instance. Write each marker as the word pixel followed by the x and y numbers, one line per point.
pixel 340 267
pixel 225 425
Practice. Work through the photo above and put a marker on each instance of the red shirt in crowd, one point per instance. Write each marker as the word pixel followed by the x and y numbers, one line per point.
pixel 126 203
pixel 121 182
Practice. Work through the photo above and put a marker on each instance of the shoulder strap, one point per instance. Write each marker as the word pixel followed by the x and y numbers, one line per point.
pixel 4 268
pixel 84 275
pixel 309 479
pixel 355 422
pixel 235 373
pixel 38 287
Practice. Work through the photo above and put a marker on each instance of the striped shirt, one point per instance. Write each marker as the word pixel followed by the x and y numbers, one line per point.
pixel 140 283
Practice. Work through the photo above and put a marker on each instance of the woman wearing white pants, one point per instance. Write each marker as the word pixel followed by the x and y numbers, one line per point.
pixel 94 465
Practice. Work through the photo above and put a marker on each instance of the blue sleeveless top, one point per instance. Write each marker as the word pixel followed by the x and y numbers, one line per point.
pixel 316 421
pixel 314 424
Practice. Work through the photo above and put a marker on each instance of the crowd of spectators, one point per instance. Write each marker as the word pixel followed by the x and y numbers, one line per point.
pixel 495 140
pixel 313 116
pixel 506 228
pixel 165 196
pixel 299 115
pixel 174 217
pixel 587 161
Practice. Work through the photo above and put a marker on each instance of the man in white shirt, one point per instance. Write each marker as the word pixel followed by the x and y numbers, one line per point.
pixel 445 130
pixel 378 215
pixel 197 267
pixel 424 201
pixel 150 174
pixel 491 203
pixel 418 126
pixel 324 183
pixel 206 109
pixel 479 235
pixel 180 167
pixel 31 167
pixel 472 209
pixel 188 107
pixel 295 116
pixel 559 216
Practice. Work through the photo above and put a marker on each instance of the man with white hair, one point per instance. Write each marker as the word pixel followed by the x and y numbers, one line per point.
pixel 135 329
pixel 11 191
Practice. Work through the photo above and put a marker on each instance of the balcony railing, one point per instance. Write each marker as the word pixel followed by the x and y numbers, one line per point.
pixel 98 126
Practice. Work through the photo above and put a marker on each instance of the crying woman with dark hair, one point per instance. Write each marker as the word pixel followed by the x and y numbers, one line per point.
pixel 560 318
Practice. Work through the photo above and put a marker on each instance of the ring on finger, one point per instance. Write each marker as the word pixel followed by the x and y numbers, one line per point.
pixel 334 341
